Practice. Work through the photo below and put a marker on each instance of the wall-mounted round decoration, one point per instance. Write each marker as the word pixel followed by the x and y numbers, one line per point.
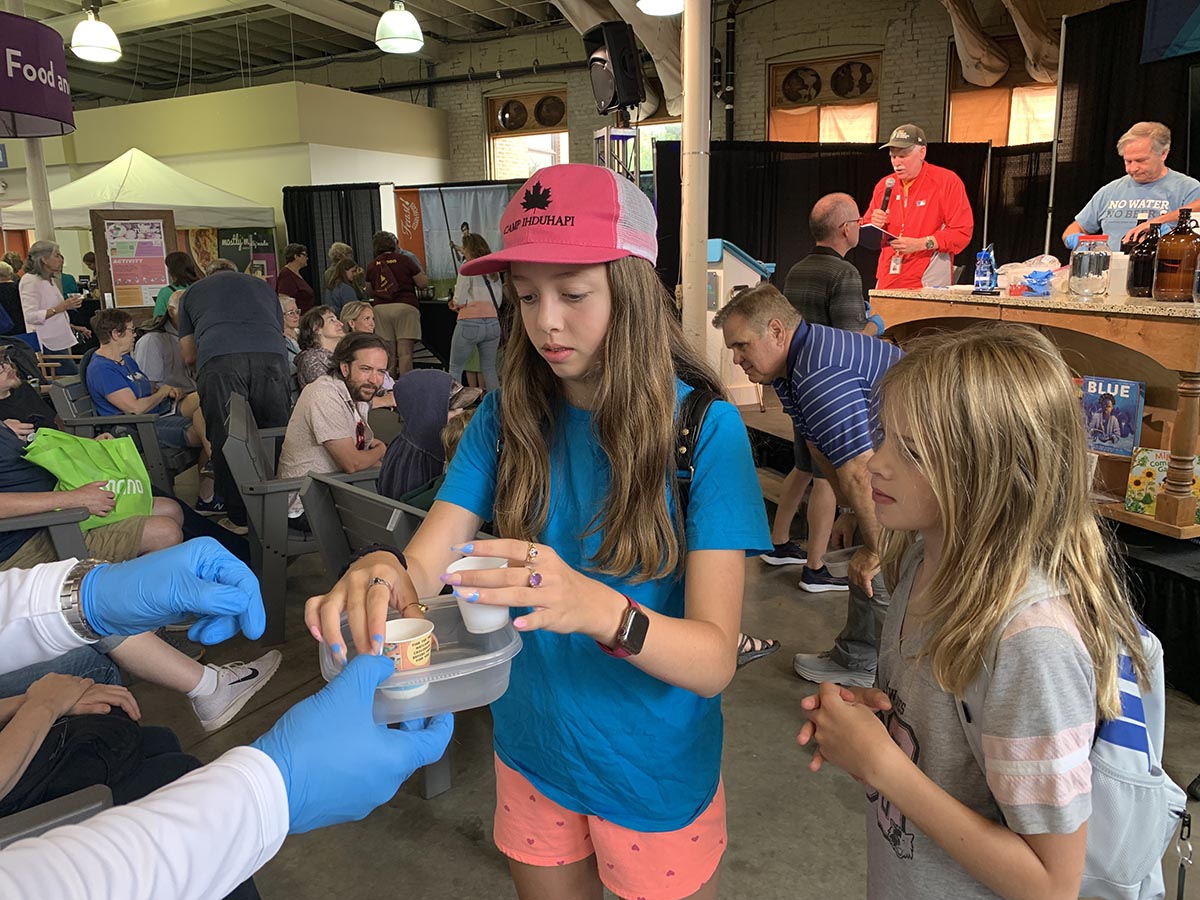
pixel 549 111
pixel 801 85
pixel 852 79
pixel 513 115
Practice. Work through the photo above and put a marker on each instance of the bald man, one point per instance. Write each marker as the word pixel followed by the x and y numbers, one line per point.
pixel 824 287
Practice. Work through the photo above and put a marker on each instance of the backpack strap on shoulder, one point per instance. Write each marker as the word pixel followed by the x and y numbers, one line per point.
pixel 692 413
pixel 969 704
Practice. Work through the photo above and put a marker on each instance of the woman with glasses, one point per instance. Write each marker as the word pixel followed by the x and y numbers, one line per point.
pixel 291 328
pixel 320 331
pixel 45 308
pixel 290 281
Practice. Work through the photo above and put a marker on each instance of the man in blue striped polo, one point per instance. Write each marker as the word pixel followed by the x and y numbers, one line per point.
pixel 825 378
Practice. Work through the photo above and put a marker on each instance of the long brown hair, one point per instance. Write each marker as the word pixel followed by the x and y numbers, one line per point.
pixel 633 415
pixel 339 272
pixel 990 417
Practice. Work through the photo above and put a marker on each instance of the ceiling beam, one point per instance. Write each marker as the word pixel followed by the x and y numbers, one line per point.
pixel 139 15
pixel 104 85
pixel 502 15
pixel 346 18
pixel 158 36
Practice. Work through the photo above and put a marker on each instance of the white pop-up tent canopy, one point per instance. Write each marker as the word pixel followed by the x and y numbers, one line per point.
pixel 136 180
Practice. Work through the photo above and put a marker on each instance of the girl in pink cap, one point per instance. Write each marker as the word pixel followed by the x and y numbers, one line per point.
pixel 608 741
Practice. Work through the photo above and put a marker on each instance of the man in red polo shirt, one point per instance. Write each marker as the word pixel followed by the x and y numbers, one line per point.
pixel 928 211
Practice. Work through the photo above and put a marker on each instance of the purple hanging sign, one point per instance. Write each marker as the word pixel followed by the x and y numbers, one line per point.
pixel 35 97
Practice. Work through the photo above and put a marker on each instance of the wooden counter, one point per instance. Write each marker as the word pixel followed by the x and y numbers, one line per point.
pixel 1167 333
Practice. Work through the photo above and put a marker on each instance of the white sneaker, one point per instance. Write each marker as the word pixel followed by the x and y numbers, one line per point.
pixel 237 682
pixel 818 667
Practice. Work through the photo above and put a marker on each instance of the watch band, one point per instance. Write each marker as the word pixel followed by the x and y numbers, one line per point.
pixel 618 651
pixel 70 603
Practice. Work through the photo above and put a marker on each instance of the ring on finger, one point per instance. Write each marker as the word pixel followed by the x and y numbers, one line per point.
pixel 532 553
pixel 384 582
pixel 535 579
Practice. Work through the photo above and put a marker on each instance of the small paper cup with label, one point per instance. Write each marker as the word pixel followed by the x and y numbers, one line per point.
pixel 478 617
pixel 408 643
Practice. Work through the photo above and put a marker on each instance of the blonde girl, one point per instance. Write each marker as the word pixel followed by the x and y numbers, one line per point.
pixel 608 741
pixel 980 483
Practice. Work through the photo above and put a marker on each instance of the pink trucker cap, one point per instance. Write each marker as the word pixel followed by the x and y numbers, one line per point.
pixel 573 214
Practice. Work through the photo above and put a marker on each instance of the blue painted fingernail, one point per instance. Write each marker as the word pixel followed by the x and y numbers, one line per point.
pixel 470 598
pixel 377 644
pixel 465 548
pixel 336 650
pixel 451 579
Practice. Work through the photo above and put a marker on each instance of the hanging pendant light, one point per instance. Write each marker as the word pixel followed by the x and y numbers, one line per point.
pixel 398 31
pixel 661 7
pixel 94 41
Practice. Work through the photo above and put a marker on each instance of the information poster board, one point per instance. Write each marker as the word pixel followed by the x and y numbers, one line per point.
pixel 131 252
pixel 200 244
pixel 252 250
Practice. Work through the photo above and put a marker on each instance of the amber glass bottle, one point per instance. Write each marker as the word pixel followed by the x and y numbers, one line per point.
pixel 1175 262
pixel 1140 279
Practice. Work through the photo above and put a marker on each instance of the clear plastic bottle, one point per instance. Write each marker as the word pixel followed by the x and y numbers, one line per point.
pixel 1089 266
pixel 983 272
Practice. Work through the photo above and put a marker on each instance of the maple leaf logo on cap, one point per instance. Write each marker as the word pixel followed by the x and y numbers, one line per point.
pixel 536 197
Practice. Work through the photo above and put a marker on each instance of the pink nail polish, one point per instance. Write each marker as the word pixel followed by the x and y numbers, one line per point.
pixel 316 633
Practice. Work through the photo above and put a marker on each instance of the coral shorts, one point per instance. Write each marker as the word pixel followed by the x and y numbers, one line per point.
pixel 637 865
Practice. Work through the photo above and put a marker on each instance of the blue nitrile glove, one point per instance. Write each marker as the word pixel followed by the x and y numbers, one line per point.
pixel 879 327
pixel 337 764
pixel 197 578
pixel 1072 240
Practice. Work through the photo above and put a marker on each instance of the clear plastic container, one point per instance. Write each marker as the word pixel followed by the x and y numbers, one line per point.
pixel 466 670
pixel 1089 266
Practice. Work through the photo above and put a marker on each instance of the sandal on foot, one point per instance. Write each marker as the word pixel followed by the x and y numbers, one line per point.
pixel 752 648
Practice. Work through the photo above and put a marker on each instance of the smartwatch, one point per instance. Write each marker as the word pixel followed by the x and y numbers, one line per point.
pixel 631 636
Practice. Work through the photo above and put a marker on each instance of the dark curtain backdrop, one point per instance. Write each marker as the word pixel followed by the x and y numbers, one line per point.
pixel 1104 92
pixel 1018 197
pixel 760 195
pixel 319 215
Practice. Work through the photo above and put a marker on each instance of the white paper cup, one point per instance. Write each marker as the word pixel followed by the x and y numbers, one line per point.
pixel 408 644
pixel 478 617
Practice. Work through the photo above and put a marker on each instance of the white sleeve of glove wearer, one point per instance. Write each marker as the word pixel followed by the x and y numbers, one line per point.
pixel 32 628
pixel 197 838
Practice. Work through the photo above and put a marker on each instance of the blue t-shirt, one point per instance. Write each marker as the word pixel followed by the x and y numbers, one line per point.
pixel 106 377
pixel 593 733
pixel 828 391
pixel 1114 209
pixel 19 475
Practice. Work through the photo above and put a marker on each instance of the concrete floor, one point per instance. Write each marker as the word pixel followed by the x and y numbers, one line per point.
pixel 793 834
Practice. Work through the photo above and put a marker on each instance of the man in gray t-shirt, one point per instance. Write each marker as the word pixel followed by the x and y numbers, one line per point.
pixel 231 330
pixel 1148 186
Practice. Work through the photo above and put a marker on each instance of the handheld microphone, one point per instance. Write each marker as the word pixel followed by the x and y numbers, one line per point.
pixel 887 193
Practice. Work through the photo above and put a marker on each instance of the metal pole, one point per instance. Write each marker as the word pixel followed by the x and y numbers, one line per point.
pixel 1062 52
pixel 35 169
pixel 987 193
pixel 693 230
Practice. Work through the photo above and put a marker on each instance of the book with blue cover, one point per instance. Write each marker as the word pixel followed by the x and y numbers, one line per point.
pixel 1112 413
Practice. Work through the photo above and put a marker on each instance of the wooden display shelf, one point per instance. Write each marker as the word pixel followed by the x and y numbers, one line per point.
pixel 1117 512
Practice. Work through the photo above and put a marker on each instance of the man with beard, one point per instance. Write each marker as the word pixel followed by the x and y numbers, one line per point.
pixel 328 431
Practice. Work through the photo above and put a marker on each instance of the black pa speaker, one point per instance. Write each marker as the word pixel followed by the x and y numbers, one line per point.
pixel 614 66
